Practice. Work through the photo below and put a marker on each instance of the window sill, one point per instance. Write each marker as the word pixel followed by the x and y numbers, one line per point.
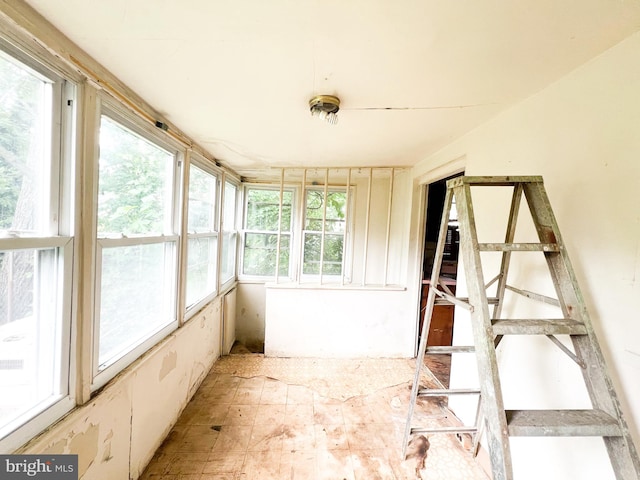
pixel 333 286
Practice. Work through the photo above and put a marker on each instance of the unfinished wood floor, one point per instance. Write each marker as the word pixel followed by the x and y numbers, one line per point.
pixel 257 418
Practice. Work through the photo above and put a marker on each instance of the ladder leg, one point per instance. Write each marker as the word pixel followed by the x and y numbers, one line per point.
pixel 435 275
pixel 622 452
pixel 493 405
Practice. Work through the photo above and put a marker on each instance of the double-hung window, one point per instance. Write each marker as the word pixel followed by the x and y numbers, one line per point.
pixel 36 247
pixel 267 224
pixel 324 232
pixel 229 233
pixel 202 235
pixel 136 284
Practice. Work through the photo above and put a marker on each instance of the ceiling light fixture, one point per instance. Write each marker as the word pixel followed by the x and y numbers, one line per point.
pixel 326 107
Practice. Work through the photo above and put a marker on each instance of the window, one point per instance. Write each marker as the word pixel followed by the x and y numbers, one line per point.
pixel 262 221
pixel 324 239
pixel 35 248
pixel 202 248
pixel 229 233
pixel 136 248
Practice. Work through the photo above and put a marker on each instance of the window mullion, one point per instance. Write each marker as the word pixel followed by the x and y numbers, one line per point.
pixel 277 272
pixel 324 221
pixel 346 222
pixel 366 229
pixel 301 218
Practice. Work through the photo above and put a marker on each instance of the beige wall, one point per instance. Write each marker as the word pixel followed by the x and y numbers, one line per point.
pixel 582 134
pixel 250 315
pixel 118 431
pixel 339 322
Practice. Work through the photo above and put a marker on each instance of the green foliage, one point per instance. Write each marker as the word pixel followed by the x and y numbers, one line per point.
pixel 22 119
pixel 202 201
pixel 260 248
pixel 134 186
pixel 335 215
pixel 21 115
pixel 263 207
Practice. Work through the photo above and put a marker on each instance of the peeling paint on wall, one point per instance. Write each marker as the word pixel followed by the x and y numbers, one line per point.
pixel 56 448
pixel 85 444
pixel 106 456
pixel 169 363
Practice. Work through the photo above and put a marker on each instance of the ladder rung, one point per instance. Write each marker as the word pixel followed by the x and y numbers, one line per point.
pixel 444 430
pixel 445 392
pixel 443 350
pixel 551 326
pixel 451 300
pixel 518 247
pixel 562 423
pixel 442 301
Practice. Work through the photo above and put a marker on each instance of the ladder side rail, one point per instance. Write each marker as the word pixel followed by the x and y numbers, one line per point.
pixel 506 256
pixel 571 301
pixel 426 323
pixel 491 394
pixel 622 452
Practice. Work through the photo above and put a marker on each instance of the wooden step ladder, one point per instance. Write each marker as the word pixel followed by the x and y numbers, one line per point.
pixel 604 419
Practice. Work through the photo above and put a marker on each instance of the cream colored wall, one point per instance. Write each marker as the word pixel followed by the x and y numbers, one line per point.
pixel 582 134
pixel 118 431
pixel 250 310
pixel 381 189
pixel 338 323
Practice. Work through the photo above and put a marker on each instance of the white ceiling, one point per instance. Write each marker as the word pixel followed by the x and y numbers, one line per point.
pixel 237 75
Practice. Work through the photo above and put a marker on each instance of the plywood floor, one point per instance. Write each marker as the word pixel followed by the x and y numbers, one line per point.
pixel 257 418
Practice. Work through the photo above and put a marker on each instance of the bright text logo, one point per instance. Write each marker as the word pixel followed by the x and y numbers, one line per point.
pixel 49 467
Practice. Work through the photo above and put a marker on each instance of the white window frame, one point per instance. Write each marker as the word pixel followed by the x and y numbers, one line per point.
pixel 225 284
pixel 101 374
pixel 200 163
pixel 290 232
pixel 346 235
pixel 57 233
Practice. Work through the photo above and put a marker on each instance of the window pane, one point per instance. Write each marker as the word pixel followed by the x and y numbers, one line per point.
pixel 260 254
pixel 30 331
pixel 311 256
pixel 202 201
pixel 314 208
pixel 333 251
pixel 263 207
pixel 201 268
pixel 229 237
pixel 137 296
pixel 335 212
pixel 229 214
pixel 25 146
pixel 333 236
pixel 135 183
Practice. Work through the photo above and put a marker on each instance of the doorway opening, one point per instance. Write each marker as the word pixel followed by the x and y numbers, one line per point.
pixel 442 320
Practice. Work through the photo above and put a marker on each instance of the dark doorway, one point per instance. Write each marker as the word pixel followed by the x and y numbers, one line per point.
pixel 442 320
